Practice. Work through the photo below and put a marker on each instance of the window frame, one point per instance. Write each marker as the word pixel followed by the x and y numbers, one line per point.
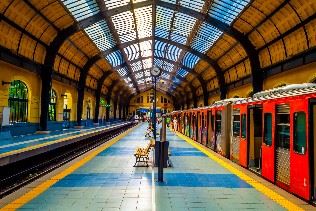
pixel 295 132
pixel 265 128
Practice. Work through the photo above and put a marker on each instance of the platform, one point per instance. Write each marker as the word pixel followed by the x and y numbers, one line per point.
pixel 106 180
pixel 23 147
pixel 19 142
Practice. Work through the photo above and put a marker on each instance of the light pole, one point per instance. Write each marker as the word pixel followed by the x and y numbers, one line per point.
pixel 155 72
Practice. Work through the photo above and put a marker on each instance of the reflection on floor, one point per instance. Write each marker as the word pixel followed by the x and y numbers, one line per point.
pixel 110 182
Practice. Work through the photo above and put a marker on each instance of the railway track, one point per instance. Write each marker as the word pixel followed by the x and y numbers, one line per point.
pixel 16 175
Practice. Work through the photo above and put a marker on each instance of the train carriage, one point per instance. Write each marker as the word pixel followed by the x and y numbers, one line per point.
pixel 273 134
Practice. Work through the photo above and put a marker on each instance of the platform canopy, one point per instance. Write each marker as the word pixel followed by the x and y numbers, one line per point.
pixel 134 35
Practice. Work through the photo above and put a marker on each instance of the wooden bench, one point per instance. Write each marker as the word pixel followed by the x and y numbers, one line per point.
pixel 142 155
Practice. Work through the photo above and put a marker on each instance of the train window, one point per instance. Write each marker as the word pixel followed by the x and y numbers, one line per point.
pixel 267 129
pixel 243 126
pixel 236 125
pixel 218 124
pixel 300 132
pixel 283 130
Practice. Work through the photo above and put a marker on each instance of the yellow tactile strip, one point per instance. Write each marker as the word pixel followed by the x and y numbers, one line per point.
pixel 19 202
pixel 257 185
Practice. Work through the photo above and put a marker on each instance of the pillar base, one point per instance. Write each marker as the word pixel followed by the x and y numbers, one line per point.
pixel 79 127
pixel 42 132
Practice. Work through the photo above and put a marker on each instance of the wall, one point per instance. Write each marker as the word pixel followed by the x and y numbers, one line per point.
pixel 71 100
pixel 9 73
pixel 301 74
pixel 134 105
pixel 213 98
pixel 242 91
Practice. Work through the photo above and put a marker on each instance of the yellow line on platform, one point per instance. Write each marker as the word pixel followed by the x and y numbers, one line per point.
pixel 36 191
pixel 257 185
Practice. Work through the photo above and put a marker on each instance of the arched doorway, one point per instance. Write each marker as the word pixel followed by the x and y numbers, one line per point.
pixel 18 101
pixel 52 105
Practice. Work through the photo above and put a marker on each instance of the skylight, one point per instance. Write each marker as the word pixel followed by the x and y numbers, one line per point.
pixel 128 32
pixel 101 35
pixel 227 10
pixel 82 9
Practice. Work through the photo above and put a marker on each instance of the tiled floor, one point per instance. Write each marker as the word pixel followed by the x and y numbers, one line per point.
pixel 21 142
pixel 110 182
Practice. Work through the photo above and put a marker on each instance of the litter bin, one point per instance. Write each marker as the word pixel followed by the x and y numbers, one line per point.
pixel 165 153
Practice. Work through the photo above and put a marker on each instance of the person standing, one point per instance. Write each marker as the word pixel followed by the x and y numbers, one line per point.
pixel 175 124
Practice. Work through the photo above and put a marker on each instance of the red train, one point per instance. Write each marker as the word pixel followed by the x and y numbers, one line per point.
pixel 272 133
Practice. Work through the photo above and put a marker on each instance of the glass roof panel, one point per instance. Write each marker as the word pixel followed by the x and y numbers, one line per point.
pixel 145 48
pixel 183 25
pixel 227 10
pixel 147 63
pixel 189 60
pixel 101 35
pixel 171 1
pixel 115 58
pixel 205 37
pixel 111 4
pixel 144 21
pixel 164 65
pixel 165 75
pixel 123 71
pixel 147 72
pixel 181 72
pixel 124 25
pixel 81 9
pixel 136 66
pixel 163 21
pixel 196 5
pixel 141 81
pixel 132 51
pixel 127 80
pixel 139 75
pixel 167 51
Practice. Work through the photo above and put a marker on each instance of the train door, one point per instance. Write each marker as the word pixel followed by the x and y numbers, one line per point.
pixel 312 146
pixel 299 149
pixel 189 123
pixel 282 145
pixel 268 144
pixel 198 128
pixel 192 125
pixel 210 129
pixel 204 131
pixel 218 131
pixel 255 138
pixel 235 139
pixel 243 151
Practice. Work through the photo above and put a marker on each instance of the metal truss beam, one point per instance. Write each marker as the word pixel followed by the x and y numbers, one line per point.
pixel 107 17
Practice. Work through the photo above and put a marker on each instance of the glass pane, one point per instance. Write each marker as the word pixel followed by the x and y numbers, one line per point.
pixel 268 129
pixel 243 126
pixel 236 125
pixel 283 130
pixel 300 132
pixel 218 121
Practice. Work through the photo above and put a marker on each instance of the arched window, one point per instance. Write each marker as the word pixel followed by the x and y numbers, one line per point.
pixel 18 101
pixel 52 105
